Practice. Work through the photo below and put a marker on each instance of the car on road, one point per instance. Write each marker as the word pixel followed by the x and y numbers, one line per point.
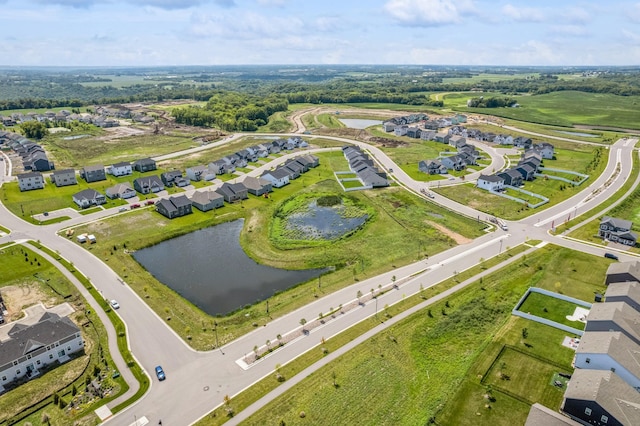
pixel 611 256
pixel 135 206
pixel 122 209
pixel 390 170
pixel 160 373
pixel 114 304
pixel 430 195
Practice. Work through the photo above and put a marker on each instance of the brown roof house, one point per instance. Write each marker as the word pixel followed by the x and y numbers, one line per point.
pixel 207 200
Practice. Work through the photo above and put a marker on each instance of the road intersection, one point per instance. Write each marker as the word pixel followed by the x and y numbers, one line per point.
pixel 200 380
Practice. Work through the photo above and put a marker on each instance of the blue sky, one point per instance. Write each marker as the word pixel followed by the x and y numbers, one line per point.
pixel 222 32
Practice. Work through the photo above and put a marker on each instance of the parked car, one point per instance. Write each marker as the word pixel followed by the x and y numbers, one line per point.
pixel 114 304
pixel 160 373
pixel 149 202
pixel 135 206
pixel 611 256
pixel 122 209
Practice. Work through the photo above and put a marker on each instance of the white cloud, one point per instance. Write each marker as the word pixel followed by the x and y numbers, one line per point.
pixel 429 12
pixel 523 14
pixel 254 26
pixel 634 12
pixel 569 30
pixel 632 37
pixel 278 3
pixel 163 4
pixel 576 15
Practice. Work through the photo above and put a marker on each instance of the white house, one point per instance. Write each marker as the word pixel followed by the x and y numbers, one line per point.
pixel 198 173
pixel 32 347
pixel 610 350
pixel 120 169
pixel 30 180
pixel 278 177
pixel 490 182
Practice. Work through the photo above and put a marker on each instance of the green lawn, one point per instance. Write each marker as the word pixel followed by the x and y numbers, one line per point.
pixel 430 366
pixel 396 234
pixel 551 308
pixel 278 123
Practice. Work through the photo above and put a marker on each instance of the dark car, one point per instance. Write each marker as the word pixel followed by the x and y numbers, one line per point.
pixel 611 256
pixel 160 373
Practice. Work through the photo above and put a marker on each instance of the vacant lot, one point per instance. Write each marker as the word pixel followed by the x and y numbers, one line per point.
pixel 551 308
pixel 431 365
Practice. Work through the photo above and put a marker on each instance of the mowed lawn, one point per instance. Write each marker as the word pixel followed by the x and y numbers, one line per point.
pixel 430 366
pixel 551 308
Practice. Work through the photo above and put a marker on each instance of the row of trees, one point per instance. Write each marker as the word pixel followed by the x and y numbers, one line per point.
pixel 491 102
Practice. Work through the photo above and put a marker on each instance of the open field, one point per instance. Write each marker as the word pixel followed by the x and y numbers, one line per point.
pixel 416 370
pixel 560 109
pixel 396 234
pixel 488 77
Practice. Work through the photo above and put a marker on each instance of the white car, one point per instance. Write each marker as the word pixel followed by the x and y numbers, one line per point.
pixel 114 304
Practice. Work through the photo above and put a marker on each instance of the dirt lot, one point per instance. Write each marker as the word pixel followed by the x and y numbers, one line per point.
pixel 460 239
pixel 17 297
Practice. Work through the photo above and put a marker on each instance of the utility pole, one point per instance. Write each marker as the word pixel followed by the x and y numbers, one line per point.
pixel 215 323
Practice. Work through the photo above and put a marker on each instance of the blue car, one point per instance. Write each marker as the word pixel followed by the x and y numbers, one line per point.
pixel 160 373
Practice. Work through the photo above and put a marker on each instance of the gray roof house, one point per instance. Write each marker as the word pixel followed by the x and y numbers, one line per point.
pixel 610 350
pixel 120 190
pixel 89 197
pixel 511 177
pixel 257 186
pixel 620 272
pixel 233 192
pixel 278 177
pixel 120 169
pixel 168 178
pixel 454 162
pixel 526 170
pixel 595 397
pixel 93 173
pixel 30 180
pixel 148 184
pixel 207 200
pixel 432 167
pixel 614 316
pixel 144 165
pixel 627 292
pixel 64 177
pixel 371 178
pixel 200 173
pixel 539 415
pixel 173 207
pixel 296 169
pixel 617 230
pixel 30 348
pixel 490 182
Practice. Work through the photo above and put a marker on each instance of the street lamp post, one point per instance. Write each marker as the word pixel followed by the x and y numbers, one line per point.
pixel 215 324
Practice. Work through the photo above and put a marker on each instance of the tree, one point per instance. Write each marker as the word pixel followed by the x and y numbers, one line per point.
pixel 34 129
pixel 302 323
pixel 525 333
pixel 359 295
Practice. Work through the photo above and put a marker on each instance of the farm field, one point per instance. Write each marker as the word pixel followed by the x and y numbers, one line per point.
pixel 395 235
pixel 431 365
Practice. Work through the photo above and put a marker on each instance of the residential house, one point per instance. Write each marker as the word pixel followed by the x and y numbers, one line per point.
pixel 275 147
pixel 309 160
pixel 512 177
pixel 442 137
pixel 144 165
pixel 296 168
pixel 503 140
pixel 432 167
pixel 603 398
pixel 200 173
pixel 522 142
pixel 233 192
pixel 533 162
pixel 615 316
pixel 401 130
pixel 120 169
pixel 28 348
pixel 30 180
pixel 148 184
pixel 539 415
pixel 427 135
pixel 277 177
pixel 173 207
pixel 37 161
pixel 64 177
pixel 371 178
pixel 207 200
pixel 617 231
pixel 627 292
pixel 431 125
pixel 610 350
pixel 89 197
pixel 120 190
pixel 413 132
pixel 526 170
pixel 257 186
pixel 388 126
pixel 168 178
pixel 545 149
pixel 454 162
pixel 491 182
pixel 621 272
pixel 93 173
pixel 457 141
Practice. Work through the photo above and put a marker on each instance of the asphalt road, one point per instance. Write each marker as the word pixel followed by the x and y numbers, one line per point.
pixel 200 380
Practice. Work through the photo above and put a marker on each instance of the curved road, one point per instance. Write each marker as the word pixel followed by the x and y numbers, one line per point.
pixel 200 380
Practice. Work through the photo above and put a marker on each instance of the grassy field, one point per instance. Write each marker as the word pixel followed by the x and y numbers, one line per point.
pixel 330 121
pixel 430 366
pixel 582 158
pixel 395 235
pixel 39 281
pixel 278 123
pixel 561 109
pixel 551 308
pixel 488 77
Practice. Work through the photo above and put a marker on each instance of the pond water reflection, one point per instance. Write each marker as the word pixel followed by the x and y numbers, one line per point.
pixel 209 268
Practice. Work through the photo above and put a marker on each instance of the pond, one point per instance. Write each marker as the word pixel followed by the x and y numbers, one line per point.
pixel 584 135
pixel 319 222
pixel 209 268
pixel 358 123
